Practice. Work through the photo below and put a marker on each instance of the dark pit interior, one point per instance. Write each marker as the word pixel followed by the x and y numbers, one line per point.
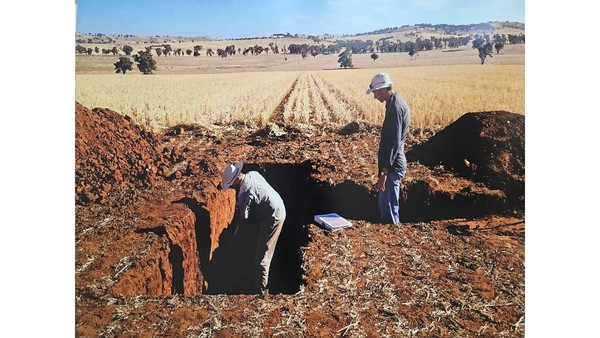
pixel 230 271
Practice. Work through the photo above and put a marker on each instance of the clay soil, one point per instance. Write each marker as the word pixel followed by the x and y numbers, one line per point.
pixel 153 233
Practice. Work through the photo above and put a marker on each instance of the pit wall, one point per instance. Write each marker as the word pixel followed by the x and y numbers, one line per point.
pixel 220 207
pixel 168 262
pixel 177 241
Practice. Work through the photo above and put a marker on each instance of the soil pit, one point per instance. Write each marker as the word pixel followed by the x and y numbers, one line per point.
pixel 229 269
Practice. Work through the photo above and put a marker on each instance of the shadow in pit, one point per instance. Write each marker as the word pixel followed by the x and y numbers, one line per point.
pixel 231 269
pixel 304 197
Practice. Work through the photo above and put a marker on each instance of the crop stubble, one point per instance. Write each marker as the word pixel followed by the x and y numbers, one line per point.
pixel 437 95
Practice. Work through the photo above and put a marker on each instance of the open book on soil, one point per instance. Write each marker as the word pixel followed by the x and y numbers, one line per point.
pixel 332 222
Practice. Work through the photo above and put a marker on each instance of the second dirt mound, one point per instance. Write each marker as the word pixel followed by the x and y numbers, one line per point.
pixel 488 147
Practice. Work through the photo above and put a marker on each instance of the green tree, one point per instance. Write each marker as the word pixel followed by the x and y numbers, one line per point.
pixel 498 46
pixel 484 47
pixel 197 50
pixel 123 65
pixel 499 41
pixel 127 49
pixel 345 59
pixel 374 56
pixel 412 51
pixel 146 64
pixel 167 50
pixel 80 49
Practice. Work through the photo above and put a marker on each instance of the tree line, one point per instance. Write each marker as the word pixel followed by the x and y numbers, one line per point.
pixel 383 45
pixel 483 43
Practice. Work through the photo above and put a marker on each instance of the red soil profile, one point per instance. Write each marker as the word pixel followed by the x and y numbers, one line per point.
pixel 112 153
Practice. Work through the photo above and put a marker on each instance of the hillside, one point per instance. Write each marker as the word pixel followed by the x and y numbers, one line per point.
pixel 405 33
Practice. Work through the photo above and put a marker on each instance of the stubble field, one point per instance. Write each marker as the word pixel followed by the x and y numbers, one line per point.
pixel 437 93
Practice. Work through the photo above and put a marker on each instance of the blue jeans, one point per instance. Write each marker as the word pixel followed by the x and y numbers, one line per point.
pixel 389 200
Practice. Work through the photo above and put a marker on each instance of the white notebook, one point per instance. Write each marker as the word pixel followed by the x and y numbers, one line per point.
pixel 332 222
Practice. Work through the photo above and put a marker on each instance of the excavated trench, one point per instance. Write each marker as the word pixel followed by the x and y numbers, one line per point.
pixel 230 270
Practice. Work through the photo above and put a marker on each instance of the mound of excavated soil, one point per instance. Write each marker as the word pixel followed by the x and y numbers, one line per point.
pixel 112 153
pixel 487 147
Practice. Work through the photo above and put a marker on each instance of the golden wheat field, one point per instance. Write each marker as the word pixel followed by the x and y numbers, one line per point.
pixel 437 95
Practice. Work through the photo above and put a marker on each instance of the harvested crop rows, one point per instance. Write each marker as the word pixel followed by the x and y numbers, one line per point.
pixel 437 95
pixel 311 100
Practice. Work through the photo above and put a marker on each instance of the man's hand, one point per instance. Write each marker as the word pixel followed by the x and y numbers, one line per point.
pixel 381 183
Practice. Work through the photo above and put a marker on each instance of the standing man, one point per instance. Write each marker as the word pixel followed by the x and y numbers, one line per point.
pixel 390 158
pixel 258 202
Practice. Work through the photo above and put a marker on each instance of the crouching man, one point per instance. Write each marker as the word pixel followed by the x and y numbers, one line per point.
pixel 257 201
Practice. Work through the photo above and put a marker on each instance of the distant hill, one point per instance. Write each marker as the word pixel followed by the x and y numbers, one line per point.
pixel 453 29
pixel 403 33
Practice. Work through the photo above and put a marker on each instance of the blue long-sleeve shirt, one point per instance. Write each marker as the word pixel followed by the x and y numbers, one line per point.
pixel 393 135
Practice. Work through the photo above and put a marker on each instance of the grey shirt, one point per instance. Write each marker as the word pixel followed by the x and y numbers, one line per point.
pixel 257 198
pixel 393 135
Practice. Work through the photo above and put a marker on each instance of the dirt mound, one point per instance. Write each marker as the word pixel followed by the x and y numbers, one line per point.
pixel 487 147
pixel 112 153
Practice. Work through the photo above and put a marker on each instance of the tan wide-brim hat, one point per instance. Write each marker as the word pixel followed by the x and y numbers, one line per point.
pixel 230 174
pixel 381 80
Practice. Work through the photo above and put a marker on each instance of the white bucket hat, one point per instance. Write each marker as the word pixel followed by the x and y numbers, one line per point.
pixel 381 80
pixel 230 174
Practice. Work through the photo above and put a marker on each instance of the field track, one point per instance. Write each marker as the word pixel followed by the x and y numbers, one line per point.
pixel 312 100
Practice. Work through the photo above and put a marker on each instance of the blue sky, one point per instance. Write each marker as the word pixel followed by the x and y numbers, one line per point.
pixel 238 19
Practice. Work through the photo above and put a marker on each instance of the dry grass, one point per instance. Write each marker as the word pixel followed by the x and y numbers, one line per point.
pixel 437 95
pixel 162 101
pixel 438 85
